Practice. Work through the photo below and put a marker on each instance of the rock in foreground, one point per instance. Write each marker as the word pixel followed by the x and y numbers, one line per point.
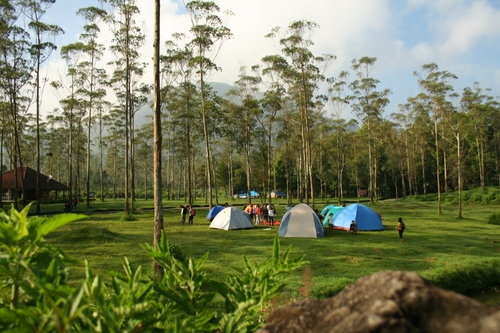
pixel 388 301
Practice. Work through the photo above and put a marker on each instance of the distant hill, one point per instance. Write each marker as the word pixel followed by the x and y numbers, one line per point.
pixel 145 114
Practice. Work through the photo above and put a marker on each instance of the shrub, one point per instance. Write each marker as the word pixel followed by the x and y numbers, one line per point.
pixel 35 295
pixel 329 288
pixel 466 277
pixel 494 218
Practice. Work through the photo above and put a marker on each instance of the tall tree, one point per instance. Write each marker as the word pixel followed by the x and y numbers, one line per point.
pixel 438 90
pixel 40 50
pixel 302 75
pixel 368 105
pixel 158 208
pixel 127 40
pixel 91 75
pixel 208 31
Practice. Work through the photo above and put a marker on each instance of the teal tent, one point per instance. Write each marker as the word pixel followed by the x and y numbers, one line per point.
pixel 330 214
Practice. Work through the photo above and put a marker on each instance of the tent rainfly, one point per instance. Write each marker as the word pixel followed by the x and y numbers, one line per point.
pixel 213 212
pixel 365 218
pixel 231 218
pixel 301 221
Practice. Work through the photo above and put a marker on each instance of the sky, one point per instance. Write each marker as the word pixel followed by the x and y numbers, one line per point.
pixel 460 36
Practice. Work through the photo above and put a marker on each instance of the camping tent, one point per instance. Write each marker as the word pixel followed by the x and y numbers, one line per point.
pixel 365 218
pixel 213 212
pixel 326 209
pixel 231 218
pixel 331 213
pixel 301 221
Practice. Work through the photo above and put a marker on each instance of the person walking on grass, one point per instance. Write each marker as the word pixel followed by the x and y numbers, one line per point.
pixel 184 212
pixel 192 214
pixel 400 227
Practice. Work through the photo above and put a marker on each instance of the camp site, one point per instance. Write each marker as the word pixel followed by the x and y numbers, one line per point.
pixel 249 166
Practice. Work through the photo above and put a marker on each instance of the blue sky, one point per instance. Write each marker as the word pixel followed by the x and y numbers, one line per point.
pixel 461 36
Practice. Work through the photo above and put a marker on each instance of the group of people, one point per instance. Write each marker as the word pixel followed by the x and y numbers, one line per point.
pixel 70 205
pixel 185 211
pixel 261 214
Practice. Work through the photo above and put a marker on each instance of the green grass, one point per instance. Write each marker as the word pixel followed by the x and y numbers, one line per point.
pixel 439 247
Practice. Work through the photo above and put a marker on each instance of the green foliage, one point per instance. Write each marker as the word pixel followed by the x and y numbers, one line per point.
pixel 466 277
pixel 184 299
pixel 326 289
pixel 494 218
pixel 481 196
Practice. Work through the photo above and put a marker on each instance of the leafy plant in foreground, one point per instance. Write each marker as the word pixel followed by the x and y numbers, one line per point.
pixel 36 297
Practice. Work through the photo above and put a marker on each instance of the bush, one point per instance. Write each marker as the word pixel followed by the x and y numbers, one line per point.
pixel 467 277
pixel 329 288
pixel 494 218
pixel 36 297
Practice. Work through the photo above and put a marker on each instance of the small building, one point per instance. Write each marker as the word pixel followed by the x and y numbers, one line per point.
pixel 26 181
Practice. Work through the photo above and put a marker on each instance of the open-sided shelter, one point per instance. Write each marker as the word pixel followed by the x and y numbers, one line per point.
pixel 213 212
pixel 365 218
pixel 301 221
pixel 23 180
pixel 231 218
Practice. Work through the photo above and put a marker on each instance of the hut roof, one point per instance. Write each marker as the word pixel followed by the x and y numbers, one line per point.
pixel 27 176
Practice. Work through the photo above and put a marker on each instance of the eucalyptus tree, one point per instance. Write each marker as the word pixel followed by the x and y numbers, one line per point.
pixel 339 99
pixel 91 76
pixel 272 104
pixel 245 112
pixel 15 73
pixel 368 104
pixel 302 73
pixel 41 49
pixel 127 39
pixel 157 183
pixel 208 33
pixel 437 91
pixel 482 110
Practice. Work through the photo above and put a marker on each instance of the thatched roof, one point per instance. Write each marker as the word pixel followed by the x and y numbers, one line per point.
pixel 27 176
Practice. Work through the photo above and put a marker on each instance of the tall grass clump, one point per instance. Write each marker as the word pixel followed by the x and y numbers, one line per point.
pixel 494 218
pixel 468 277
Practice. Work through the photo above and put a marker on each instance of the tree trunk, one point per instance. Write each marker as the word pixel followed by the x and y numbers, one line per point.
pixel 438 179
pixel 157 144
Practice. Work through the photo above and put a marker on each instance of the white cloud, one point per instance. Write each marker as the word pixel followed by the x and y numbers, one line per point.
pixel 348 29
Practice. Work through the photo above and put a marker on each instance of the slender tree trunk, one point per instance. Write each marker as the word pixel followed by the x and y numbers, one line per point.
pixel 157 146
pixel 208 156
pixel 459 172
pixel 438 179
pixel 37 185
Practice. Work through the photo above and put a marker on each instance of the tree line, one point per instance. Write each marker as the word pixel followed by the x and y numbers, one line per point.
pixel 280 128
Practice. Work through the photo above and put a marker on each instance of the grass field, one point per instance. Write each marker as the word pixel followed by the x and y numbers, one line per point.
pixel 433 242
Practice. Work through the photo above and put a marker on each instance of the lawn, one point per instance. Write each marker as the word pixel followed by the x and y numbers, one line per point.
pixel 431 242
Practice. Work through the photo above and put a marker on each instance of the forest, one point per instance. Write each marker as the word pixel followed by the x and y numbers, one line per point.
pixel 279 128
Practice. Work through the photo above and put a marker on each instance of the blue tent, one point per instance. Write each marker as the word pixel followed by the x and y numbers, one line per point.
pixel 213 212
pixel 334 210
pixel 301 221
pixel 365 218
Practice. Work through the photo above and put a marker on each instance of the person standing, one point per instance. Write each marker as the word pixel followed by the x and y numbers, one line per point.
pixel 184 212
pixel 270 214
pixel 192 214
pixel 400 227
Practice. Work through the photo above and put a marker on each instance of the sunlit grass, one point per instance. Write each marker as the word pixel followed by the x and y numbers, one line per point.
pixel 431 241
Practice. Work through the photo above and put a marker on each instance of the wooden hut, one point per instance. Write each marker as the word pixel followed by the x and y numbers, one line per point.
pixel 26 184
